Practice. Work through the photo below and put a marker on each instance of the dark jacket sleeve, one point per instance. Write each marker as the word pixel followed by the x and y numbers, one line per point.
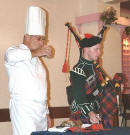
pixel 84 102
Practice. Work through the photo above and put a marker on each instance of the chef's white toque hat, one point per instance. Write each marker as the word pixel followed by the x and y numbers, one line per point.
pixel 35 21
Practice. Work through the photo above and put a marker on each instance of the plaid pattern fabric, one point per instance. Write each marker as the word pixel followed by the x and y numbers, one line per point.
pixel 108 105
pixel 78 116
pixel 108 122
pixel 91 87
pixel 119 77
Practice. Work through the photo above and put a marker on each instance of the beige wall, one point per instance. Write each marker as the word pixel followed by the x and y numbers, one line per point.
pixel 12 26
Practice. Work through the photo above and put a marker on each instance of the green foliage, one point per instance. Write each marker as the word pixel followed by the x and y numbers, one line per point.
pixel 108 16
pixel 127 30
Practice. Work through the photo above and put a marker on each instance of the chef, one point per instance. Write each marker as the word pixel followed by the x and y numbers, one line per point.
pixel 27 77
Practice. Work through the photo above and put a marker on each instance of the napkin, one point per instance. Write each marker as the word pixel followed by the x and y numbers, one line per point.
pixel 58 129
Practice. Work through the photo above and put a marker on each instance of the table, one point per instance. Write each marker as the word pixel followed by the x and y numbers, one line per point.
pixel 114 131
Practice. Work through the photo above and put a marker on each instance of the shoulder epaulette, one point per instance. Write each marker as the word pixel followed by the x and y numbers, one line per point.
pixel 78 71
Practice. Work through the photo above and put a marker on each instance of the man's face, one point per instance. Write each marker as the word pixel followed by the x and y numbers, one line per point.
pixel 93 52
pixel 36 42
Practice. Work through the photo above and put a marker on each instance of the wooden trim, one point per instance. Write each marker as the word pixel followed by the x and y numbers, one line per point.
pixel 4 115
pixel 55 112
pixel 59 112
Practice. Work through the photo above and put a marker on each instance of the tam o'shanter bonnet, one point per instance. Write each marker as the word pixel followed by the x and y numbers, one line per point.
pixel 35 21
pixel 91 40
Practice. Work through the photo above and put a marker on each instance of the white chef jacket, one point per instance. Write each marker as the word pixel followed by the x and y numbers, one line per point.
pixel 28 90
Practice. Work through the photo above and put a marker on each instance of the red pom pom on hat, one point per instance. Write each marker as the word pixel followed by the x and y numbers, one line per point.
pixel 87 35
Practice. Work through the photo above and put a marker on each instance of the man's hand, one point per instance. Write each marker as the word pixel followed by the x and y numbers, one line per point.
pixel 94 117
pixel 43 51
